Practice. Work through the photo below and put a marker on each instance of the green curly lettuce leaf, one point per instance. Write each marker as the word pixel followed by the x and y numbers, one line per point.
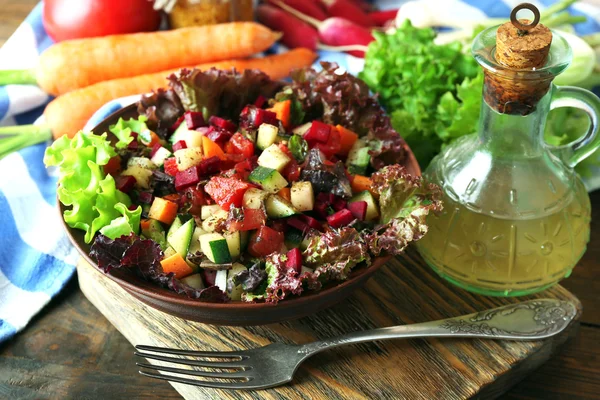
pixel 405 204
pixel 123 129
pixel 125 225
pixel 82 183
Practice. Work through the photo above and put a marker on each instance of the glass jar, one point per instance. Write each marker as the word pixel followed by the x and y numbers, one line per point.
pixel 516 216
pixel 208 12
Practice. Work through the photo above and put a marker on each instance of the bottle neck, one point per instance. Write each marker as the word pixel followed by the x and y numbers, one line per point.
pixel 511 134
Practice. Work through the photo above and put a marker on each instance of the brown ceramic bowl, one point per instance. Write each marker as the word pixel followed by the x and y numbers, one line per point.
pixel 235 312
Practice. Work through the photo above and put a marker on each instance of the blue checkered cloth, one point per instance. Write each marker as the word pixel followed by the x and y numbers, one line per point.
pixel 36 258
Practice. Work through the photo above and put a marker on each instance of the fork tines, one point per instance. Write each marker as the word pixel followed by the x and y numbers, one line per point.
pixel 240 375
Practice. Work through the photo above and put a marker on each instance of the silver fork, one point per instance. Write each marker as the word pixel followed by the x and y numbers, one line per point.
pixel 275 364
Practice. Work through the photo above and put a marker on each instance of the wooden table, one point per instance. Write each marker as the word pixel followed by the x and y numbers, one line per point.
pixel 71 351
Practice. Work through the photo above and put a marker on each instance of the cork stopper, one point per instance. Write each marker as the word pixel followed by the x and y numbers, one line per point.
pixel 523 44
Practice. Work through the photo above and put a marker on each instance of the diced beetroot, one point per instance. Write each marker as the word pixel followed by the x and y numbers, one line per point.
pixel 210 166
pixel 179 145
pixel 170 165
pixel 187 178
pixel 145 197
pixel 155 148
pixel 340 218
pixel 358 209
pixel 132 207
pixel 318 132
pixel 260 101
pixel 339 204
pixel 125 183
pixel 174 127
pixel 133 145
pixel 209 276
pixel 321 209
pixel 134 135
pixel 294 259
pixel 312 223
pixel 194 119
pixel 252 117
pixel 269 117
pixel 296 222
pixel 218 135
pixel 222 123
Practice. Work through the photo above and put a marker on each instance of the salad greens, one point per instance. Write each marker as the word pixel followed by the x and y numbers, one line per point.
pixel 434 92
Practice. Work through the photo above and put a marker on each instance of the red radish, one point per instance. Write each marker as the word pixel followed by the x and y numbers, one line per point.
pixel 308 7
pixel 296 33
pixel 294 259
pixel 340 218
pixel 180 144
pixel 340 32
pixel 362 4
pixel 358 209
pixel 379 18
pixel 349 10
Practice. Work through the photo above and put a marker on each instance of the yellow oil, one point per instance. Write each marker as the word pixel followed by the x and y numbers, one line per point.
pixel 504 257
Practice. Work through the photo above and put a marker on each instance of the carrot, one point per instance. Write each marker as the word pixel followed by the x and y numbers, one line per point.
pixel 347 140
pixel 177 265
pixel 145 224
pixel 68 114
pixel 163 210
pixel 283 111
pixel 285 193
pixel 211 149
pixel 361 183
pixel 74 64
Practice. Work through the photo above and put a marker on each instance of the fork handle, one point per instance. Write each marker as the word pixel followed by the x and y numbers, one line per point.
pixel 529 320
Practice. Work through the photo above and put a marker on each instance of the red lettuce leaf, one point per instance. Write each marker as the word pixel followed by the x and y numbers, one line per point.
pixel 108 253
pixel 325 177
pixel 162 108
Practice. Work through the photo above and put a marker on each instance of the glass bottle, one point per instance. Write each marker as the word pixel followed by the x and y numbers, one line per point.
pixel 516 216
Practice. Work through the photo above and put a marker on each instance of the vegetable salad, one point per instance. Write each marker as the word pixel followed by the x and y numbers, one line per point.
pixel 235 187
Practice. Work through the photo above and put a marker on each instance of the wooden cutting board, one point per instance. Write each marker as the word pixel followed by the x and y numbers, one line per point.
pixel 404 291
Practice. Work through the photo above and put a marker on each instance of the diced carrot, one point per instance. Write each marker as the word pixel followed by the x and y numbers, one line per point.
pixel 283 111
pixel 113 166
pixel 211 149
pixel 145 224
pixel 154 138
pixel 361 183
pixel 163 210
pixel 285 193
pixel 177 265
pixel 347 140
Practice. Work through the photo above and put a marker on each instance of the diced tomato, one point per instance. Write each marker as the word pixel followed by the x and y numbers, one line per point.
pixel 291 172
pixel 253 219
pixel 170 165
pixel 195 198
pixel 226 191
pixel 333 144
pixel 231 160
pixel 265 241
pixel 238 144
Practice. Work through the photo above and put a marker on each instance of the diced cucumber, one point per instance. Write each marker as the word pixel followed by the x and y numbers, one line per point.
pixel 180 240
pixel 278 207
pixel 207 211
pixel 221 280
pixel 233 243
pixel 156 232
pixel 180 133
pixel 195 243
pixel 254 198
pixel 273 157
pixel 305 242
pixel 215 247
pixel 244 238
pixel 293 238
pixel 302 129
pixel 270 179
pixel 358 158
pixel 179 220
pixel 187 158
pixel 160 156
pixel 267 134
pixel 141 162
pixel 169 251
pixel 302 196
pixel 211 223
pixel 236 290
pixel 372 207
pixel 141 175
pixel 194 281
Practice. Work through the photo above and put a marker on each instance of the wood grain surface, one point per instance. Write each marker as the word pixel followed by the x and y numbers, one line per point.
pixel 70 351
pixel 404 291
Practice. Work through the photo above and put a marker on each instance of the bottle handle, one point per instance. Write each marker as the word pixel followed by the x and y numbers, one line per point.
pixel 578 150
